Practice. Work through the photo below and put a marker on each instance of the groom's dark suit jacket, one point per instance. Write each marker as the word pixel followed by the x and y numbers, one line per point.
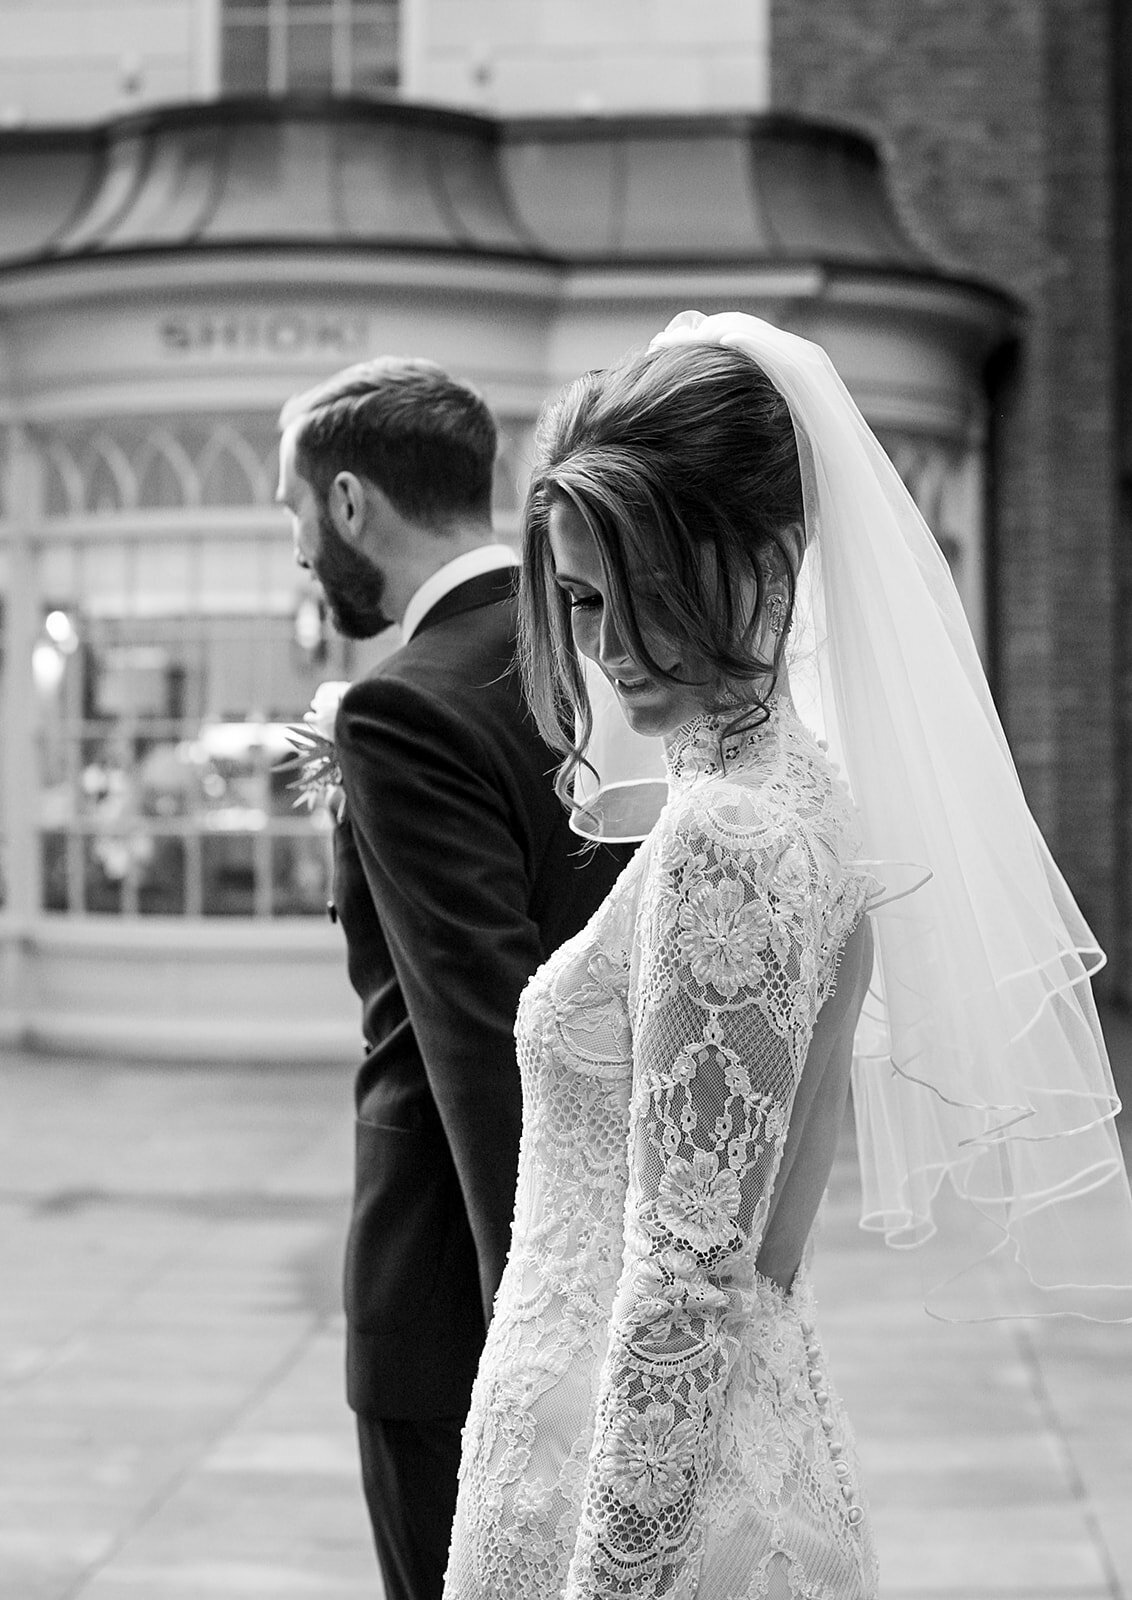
pixel 455 876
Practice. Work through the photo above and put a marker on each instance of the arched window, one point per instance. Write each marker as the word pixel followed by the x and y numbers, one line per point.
pixel 311 46
pixel 176 641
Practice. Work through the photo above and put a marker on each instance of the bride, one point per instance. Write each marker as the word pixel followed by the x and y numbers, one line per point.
pixel 712 525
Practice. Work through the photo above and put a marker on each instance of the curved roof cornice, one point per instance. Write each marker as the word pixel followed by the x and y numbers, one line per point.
pixel 373 175
pixel 249 174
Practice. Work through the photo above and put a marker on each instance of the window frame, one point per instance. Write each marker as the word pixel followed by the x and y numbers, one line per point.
pixel 279 15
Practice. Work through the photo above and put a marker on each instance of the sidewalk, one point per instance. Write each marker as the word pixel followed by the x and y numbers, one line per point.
pixel 171 1416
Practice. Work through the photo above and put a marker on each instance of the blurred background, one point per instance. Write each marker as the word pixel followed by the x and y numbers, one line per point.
pixel 208 204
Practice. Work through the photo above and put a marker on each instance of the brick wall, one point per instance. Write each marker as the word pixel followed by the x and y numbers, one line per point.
pixel 995 117
pixel 1122 103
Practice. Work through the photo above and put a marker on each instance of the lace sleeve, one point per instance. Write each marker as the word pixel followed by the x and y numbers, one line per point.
pixel 724 1004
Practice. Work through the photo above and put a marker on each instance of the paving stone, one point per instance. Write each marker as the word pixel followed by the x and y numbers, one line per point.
pixel 172 1421
pixel 989 1552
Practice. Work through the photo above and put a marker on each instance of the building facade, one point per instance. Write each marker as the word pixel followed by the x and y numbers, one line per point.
pixel 170 273
pixel 1005 128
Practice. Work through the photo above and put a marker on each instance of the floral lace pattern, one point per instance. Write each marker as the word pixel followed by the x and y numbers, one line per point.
pixel 652 1417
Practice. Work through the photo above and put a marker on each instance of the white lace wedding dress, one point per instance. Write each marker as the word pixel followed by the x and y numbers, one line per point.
pixel 652 1415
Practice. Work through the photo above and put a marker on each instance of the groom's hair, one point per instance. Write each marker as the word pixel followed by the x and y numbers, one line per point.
pixel 425 439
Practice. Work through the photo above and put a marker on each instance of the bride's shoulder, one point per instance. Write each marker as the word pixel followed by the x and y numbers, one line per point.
pixel 751 822
pixel 723 821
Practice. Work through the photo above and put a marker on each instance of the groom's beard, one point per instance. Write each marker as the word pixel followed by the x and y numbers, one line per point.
pixel 353 587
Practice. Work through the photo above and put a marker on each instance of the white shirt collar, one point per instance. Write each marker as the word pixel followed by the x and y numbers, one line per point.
pixel 472 564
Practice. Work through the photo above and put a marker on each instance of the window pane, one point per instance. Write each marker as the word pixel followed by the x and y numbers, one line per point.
pixel 300 874
pixel 161 481
pixel 373 49
pixel 165 671
pixel 309 56
pixel 53 867
pixel 228 875
pixel 108 860
pixel 106 779
pixel 166 780
pixel 161 880
pixel 244 58
pixel 133 682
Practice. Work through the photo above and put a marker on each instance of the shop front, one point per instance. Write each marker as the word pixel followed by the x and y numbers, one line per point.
pixel 179 277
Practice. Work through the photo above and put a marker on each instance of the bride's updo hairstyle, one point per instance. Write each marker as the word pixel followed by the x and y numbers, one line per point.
pixel 683 464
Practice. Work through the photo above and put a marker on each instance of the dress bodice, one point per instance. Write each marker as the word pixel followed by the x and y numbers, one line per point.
pixel 661 1050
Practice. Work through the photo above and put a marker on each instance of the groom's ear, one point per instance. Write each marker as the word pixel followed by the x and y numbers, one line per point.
pixel 346 503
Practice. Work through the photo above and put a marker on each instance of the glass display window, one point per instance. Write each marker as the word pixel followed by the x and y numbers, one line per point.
pixel 163 750
pixel 176 641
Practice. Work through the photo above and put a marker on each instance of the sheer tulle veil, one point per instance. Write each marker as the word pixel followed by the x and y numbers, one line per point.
pixel 982 1091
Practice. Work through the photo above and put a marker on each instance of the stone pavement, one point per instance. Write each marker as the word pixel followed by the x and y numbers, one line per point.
pixel 171 1415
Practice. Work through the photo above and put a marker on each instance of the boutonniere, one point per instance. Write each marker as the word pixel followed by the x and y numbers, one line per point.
pixel 320 778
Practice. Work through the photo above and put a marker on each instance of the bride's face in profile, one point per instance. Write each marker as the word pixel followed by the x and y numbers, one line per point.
pixel 651 705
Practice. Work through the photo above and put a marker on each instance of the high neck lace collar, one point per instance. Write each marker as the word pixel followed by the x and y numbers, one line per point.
pixel 701 749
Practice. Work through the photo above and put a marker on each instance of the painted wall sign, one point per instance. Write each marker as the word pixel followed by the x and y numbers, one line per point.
pixel 270 333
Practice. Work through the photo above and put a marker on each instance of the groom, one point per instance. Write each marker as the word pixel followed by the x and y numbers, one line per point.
pixel 455 876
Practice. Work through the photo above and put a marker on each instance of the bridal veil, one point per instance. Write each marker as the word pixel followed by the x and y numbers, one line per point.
pixel 984 1100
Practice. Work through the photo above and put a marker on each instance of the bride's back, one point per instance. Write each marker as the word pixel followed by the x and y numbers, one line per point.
pixel 815 1120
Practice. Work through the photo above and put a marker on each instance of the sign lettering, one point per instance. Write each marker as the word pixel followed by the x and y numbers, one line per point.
pixel 272 333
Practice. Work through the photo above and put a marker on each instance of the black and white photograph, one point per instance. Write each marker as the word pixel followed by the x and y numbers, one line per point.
pixel 565 800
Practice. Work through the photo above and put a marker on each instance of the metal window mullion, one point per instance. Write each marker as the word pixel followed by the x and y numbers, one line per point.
pixel 261 624
pixel 264 690
pixel 74 725
pixel 76 873
pixel 194 872
pixel 261 860
pixel 194 709
pixel 341 47
pixel 277 47
pixel 76 844
pixel 129 905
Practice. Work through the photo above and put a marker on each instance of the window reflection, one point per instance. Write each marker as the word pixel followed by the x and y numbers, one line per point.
pixel 175 640
pixel 163 762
